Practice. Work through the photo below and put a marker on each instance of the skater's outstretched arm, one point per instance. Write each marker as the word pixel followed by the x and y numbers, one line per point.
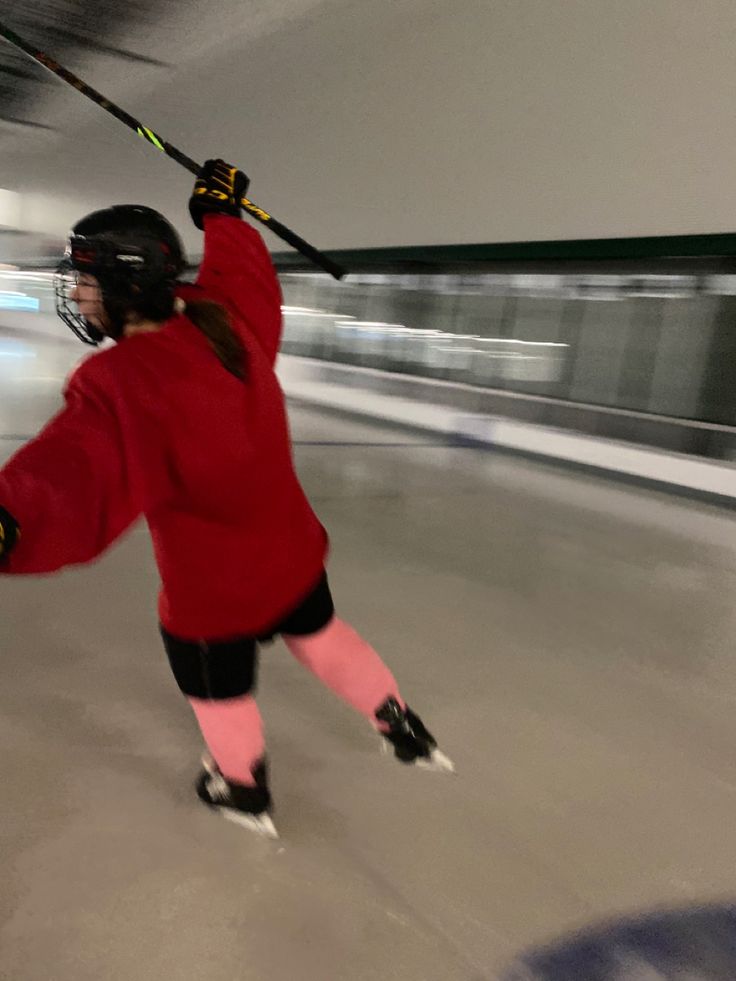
pixel 236 266
pixel 68 491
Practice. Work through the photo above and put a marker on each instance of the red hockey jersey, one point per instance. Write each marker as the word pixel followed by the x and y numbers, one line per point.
pixel 156 426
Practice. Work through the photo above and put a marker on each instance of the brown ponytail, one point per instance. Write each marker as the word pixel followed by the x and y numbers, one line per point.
pixel 213 321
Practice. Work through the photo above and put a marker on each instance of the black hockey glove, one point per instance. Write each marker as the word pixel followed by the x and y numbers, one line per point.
pixel 218 190
pixel 9 533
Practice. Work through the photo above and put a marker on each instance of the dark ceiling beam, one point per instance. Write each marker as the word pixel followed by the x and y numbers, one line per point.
pixel 23 75
pixel 81 41
pixel 87 43
pixel 29 123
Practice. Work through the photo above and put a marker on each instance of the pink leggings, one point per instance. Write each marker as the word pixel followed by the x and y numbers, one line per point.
pixel 337 655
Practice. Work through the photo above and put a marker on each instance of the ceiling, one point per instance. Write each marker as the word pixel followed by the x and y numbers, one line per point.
pixel 185 73
pixel 70 30
pixel 394 122
pixel 131 44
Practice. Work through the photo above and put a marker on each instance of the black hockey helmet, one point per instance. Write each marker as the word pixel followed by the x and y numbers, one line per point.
pixel 135 254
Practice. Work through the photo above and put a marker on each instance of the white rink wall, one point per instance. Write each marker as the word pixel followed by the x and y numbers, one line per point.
pixel 303 380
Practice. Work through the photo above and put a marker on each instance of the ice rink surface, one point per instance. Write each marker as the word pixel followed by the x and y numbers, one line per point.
pixel 568 639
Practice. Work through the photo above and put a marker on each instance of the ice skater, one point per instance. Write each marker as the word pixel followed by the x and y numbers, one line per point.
pixel 182 421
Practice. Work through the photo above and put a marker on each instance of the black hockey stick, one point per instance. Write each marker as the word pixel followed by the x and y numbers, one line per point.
pixel 317 257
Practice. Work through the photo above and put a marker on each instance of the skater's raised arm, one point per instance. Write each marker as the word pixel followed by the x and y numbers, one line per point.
pixel 236 268
pixel 67 495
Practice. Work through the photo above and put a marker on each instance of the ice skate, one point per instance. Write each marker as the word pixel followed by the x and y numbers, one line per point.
pixel 247 806
pixel 411 741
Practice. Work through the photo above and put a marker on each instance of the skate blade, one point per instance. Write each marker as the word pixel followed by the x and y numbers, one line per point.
pixel 437 761
pixel 262 824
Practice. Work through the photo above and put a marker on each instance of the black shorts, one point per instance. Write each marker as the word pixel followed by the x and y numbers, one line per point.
pixel 310 615
pixel 221 669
